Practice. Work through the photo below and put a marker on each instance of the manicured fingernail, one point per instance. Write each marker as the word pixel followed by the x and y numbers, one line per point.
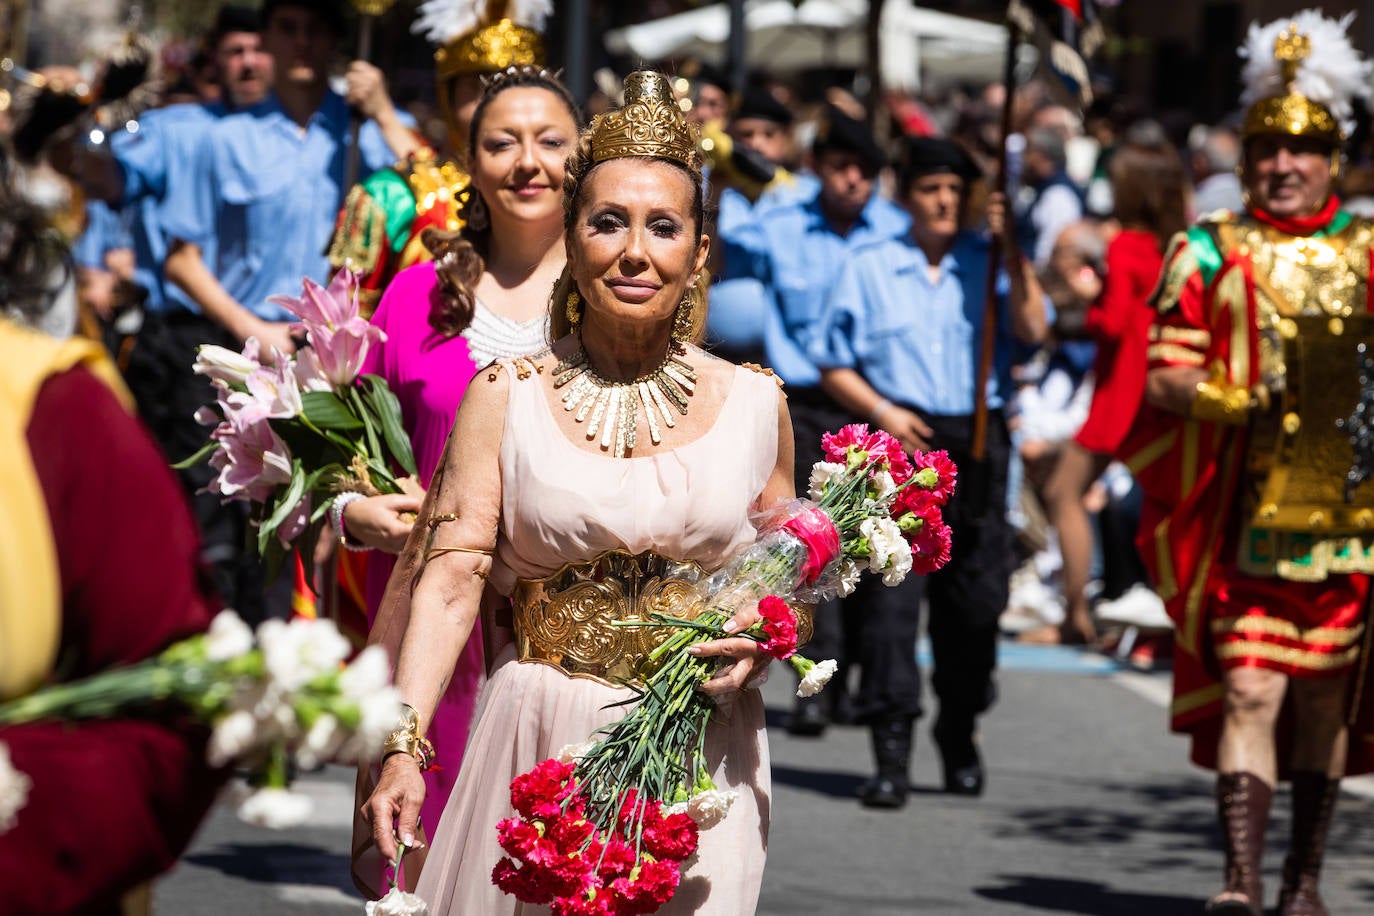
pixel 408 839
pixel 694 650
pixel 730 626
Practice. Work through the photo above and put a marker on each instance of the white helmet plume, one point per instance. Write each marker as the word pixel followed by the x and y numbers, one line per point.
pixel 441 21
pixel 1331 73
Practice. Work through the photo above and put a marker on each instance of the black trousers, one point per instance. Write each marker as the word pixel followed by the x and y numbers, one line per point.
pixel 965 598
pixel 168 394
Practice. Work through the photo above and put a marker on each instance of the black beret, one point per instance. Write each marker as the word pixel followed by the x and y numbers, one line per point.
pixel 705 74
pixel 234 18
pixel 331 12
pixel 933 156
pixel 837 131
pixel 757 102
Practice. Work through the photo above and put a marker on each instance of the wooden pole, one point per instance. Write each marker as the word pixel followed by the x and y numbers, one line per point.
pixel 989 338
pixel 355 153
pixel 873 51
pixel 738 47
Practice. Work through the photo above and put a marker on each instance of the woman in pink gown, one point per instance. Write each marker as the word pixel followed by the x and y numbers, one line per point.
pixel 531 502
pixel 445 319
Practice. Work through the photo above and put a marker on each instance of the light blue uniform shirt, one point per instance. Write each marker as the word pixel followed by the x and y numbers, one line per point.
pixel 158 164
pixel 797 254
pixel 105 231
pixel 913 339
pixel 267 196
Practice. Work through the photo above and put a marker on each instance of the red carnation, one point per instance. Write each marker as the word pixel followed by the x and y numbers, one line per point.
pixel 780 626
pixel 520 883
pixel 540 792
pixel 672 837
pixel 930 548
pixel 944 467
pixel 601 903
pixel 653 887
pixel 617 858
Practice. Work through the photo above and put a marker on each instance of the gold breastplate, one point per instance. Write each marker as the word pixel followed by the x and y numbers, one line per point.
pixel 565 620
pixel 1303 276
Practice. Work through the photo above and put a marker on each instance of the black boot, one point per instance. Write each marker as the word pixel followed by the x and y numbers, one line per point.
pixel 1243 809
pixel 963 767
pixel 808 718
pixel 892 751
pixel 1314 802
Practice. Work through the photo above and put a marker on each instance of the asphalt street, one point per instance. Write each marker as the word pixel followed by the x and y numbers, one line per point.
pixel 1091 808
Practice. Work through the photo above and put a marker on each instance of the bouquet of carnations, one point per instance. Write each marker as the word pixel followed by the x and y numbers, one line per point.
pixel 292 432
pixel 606 827
pixel 287 698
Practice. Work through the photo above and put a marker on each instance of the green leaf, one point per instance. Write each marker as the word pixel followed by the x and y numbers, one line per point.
pixel 285 503
pixel 203 453
pixel 328 411
pixel 388 410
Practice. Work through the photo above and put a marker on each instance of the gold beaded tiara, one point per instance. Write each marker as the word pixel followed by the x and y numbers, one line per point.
pixel 650 123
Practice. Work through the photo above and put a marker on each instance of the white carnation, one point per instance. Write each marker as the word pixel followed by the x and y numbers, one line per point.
pixel 886 542
pixel 299 652
pixel 710 807
pixel 675 808
pixel 817 678
pixel 366 674
pixel 321 742
pixel 885 485
pixel 901 565
pixel 571 753
pixel 277 809
pixel 398 903
pixel 234 736
pixel 821 474
pixel 14 790
pixel 850 573
pixel 228 637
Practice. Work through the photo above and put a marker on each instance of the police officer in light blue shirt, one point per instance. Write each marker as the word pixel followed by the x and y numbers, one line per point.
pixel 898 343
pixel 794 252
pixel 271 180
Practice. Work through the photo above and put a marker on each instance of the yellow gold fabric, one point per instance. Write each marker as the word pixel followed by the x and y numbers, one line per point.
pixel 30 601
pixel 649 124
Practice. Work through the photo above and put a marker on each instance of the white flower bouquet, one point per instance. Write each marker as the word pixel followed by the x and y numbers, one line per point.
pixel 282 697
pixel 292 432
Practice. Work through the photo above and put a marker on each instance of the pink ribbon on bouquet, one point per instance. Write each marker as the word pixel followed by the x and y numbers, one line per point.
pixel 814 528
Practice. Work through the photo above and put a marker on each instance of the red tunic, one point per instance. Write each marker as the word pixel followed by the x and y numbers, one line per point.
pixel 113 802
pixel 1120 320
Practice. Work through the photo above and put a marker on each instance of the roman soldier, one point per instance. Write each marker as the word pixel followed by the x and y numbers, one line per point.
pixel 1252 448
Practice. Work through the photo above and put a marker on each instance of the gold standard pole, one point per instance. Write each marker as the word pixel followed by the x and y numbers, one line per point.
pixel 368 11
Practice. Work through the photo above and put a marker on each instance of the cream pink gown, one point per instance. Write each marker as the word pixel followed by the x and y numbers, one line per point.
pixel 562 504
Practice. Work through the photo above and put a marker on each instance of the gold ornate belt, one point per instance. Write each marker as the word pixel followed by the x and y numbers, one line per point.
pixel 565 620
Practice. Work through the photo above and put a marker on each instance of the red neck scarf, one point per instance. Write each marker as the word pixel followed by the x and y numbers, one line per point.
pixel 1301 225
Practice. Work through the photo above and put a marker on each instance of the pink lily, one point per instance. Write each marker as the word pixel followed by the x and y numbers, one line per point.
pixel 321 307
pixel 252 460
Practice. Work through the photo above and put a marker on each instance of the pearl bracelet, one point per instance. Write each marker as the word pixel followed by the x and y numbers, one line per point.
pixel 336 519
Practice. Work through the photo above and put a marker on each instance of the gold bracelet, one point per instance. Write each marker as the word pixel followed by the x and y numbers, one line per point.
pixel 436 520
pixel 406 739
pixel 1217 402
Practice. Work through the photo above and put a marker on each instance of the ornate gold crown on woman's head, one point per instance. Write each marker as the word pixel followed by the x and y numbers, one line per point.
pixel 650 123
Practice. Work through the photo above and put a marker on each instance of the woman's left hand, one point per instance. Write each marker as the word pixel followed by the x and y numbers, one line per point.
pixel 748 663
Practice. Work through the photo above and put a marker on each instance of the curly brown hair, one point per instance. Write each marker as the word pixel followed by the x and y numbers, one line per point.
pixel 461 257
pixel 575 173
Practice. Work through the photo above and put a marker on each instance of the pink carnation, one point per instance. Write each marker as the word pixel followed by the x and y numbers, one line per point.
pixel 930 546
pixel 780 626
pixel 943 465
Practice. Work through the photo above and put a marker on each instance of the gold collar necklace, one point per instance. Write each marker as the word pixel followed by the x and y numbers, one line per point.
pixel 614 407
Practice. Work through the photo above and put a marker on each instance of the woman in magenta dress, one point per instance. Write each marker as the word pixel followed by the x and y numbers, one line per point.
pixel 481 299
pixel 1149 193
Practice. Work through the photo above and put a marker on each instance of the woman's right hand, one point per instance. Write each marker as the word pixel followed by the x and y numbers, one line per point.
pixel 909 429
pixel 393 809
pixel 377 520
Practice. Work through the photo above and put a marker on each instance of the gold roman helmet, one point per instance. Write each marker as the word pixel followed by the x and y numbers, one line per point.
pixel 1300 76
pixel 475 37
pixel 650 123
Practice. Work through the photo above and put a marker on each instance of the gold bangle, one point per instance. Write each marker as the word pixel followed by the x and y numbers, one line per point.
pixel 436 520
pixel 406 739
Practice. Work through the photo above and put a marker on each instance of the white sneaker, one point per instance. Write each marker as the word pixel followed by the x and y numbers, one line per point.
pixel 1138 607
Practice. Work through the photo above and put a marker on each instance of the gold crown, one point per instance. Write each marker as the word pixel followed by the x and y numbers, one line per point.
pixel 1291 113
pixel 488 49
pixel 650 123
